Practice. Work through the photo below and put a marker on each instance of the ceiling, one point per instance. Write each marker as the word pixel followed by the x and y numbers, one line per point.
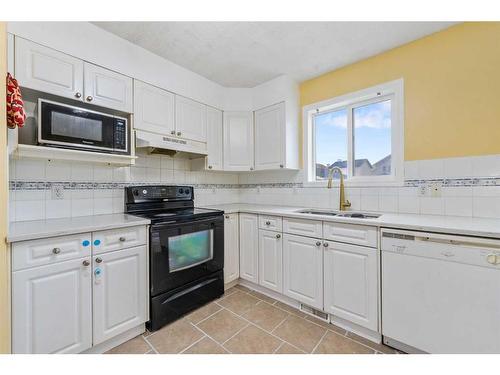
pixel 245 54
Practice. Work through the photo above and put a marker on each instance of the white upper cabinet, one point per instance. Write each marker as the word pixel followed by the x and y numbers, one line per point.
pixel 238 141
pixel 190 119
pixel 153 109
pixel 44 69
pixel 106 88
pixel 52 308
pixel 120 292
pixel 214 139
pixel 270 137
pixel 350 284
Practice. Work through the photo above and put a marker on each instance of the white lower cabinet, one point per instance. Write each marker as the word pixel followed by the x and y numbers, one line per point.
pixel 231 248
pixel 120 296
pixel 350 283
pixel 249 247
pixel 271 260
pixel 68 306
pixel 303 269
pixel 52 308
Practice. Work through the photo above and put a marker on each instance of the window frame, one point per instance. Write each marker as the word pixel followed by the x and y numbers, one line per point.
pixel 393 90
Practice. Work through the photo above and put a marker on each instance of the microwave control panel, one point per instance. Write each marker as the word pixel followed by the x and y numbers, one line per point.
pixel 120 134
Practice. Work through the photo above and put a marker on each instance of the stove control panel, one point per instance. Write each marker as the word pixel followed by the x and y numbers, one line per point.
pixel 158 193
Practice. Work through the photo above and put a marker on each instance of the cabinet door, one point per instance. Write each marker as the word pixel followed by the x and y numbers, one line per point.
pixel 153 109
pixel 270 137
pixel 190 119
pixel 120 292
pixel 52 308
pixel 107 88
pixel 351 284
pixel 249 247
pixel 231 248
pixel 271 260
pixel 238 141
pixel 303 269
pixel 44 69
pixel 214 139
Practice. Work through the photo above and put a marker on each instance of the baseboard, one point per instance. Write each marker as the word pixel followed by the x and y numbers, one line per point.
pixel 231 284
pixel 368 334
pixel 117 340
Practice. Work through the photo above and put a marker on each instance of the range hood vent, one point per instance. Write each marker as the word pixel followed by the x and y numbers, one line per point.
pixel 167 145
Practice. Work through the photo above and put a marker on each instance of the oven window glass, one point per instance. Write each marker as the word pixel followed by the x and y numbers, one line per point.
pixel 76 127
pixel 191 249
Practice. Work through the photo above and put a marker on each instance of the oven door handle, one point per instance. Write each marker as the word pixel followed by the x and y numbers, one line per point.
pixel 189 290
pixel 215 219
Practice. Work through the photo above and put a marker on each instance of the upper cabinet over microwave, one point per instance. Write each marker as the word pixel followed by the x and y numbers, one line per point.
pixel 44 69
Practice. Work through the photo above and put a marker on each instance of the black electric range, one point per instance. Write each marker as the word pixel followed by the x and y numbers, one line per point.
pixel 186 250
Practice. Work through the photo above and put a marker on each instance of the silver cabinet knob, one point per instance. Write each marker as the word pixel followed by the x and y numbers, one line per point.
pixel 86 263
pixel 78 95
pixel 325 244
pixel 251 168
pixel 89 98
pixel 268 223
pixel 172 132
pixel 209 167
pixel 122 239
pixel 179 134
pixel 56 250
pixel 278 236
pixel 282 166
pixel 98 260
pixel 318 243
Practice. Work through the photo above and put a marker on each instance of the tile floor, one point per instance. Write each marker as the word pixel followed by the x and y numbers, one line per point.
pixel 246 322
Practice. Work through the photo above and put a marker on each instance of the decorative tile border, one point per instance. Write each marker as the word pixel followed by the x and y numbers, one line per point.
pixel 67 185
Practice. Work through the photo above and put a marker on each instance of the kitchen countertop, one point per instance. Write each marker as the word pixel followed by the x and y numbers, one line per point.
pixel 35 229
pixel 431 223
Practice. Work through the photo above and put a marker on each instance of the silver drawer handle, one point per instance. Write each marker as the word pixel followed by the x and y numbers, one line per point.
pixel 98 260
pixel 122 239
pixel 56 250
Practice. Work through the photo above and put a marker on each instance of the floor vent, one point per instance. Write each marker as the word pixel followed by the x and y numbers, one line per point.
pixel 316 313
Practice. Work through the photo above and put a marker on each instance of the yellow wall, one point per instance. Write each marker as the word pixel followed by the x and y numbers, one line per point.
pixel 452 90
pixel 4 259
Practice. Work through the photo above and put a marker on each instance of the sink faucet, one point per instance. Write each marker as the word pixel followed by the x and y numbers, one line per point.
pixel 344 203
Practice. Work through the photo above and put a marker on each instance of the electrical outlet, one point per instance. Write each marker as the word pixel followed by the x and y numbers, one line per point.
pixel 57 192
pixel 422 190
pixel 435 190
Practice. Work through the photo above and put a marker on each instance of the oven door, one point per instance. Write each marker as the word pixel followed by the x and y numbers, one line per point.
pixel 73 127
pixel 185 252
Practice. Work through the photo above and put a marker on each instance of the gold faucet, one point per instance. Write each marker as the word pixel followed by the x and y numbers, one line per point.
pixel 344 203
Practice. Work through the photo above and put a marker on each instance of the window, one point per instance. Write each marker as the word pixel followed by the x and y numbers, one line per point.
pixel 360 133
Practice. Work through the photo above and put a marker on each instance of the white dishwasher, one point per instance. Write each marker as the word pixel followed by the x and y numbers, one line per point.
pixel 440 293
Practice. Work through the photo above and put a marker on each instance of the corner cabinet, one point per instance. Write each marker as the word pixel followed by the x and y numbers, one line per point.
pixel 238 141
pixel 66 299
pixel 231 248
pixel 351 283
pixel 249 247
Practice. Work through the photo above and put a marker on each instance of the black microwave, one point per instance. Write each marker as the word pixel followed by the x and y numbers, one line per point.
pixel 62 125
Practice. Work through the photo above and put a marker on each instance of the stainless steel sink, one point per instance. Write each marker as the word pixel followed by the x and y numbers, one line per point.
pixel 354 215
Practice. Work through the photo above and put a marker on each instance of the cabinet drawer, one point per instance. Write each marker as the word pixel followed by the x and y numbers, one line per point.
pixel 26 254
pixel 116 239
pixel 350 233
pixel 303 227
pixel 270 223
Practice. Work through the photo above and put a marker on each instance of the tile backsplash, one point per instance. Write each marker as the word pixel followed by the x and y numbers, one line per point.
pixel 469 187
